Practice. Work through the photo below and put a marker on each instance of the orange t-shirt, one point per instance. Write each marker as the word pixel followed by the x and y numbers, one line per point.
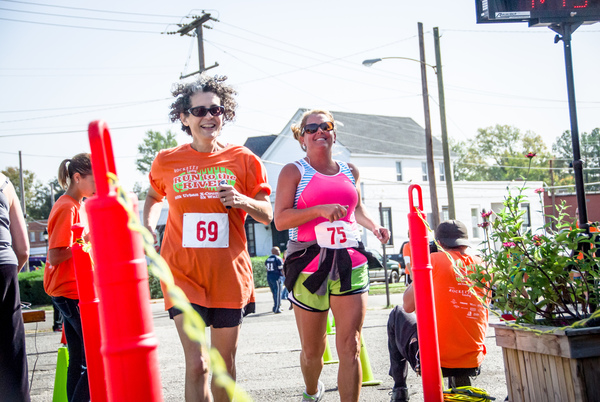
pixel 60 280
pixel 593 229
pixel 462 320
pixel 405 254
pixel 209 262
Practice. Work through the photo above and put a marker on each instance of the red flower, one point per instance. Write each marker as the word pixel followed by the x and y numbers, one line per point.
pixel 531 155
pixel 485 214
pixel 539 190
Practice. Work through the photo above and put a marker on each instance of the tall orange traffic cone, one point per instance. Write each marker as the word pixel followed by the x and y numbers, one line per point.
pixel 366 365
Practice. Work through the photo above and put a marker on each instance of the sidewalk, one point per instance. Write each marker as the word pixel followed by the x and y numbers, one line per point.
pixel 268 356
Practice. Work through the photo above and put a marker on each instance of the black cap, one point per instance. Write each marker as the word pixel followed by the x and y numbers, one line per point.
pixel 452 234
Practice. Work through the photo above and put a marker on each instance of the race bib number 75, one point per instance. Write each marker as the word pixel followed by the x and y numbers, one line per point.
pixel 338 234
pixel 210 230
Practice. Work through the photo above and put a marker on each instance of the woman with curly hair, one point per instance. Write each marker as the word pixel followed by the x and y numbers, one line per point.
pixel 211 187
pixel 318 200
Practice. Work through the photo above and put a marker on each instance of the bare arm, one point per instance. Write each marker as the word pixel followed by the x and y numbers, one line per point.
pixel 152 207
pixel 286 216
pixel 59 255
pixel 362 216
pixel 18 228
pixel 258 207
pixel 408 299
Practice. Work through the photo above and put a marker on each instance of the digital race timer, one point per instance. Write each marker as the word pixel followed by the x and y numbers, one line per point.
pixel 538 12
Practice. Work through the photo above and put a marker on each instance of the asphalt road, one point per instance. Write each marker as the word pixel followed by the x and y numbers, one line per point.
pixel 268 357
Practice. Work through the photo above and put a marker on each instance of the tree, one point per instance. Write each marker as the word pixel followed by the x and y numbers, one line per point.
pixel 589 149
pixel 153 142
pixel 499 154
pixel 37 195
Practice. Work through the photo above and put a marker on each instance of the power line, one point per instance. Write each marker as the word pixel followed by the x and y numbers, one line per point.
pixel 81 18
pixel 82 131
pixel 79 27
pixel 85 111
pixel 94 10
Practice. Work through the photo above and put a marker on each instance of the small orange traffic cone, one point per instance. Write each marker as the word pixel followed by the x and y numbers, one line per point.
pixel 60 377
pixel 330 325
pixel 366 365
pixel 63 338
pixel 327 356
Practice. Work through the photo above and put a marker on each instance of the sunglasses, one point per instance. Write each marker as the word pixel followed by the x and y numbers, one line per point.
pixel 200 111
pixel 314 127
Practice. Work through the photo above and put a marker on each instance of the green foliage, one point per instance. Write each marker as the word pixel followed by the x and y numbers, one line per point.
pixel 31 287
pixel 37 195
pixel 589 147
pixel 154 284
pixel 259 271
pixel 534 274
pixel 152 143
pixel 498 154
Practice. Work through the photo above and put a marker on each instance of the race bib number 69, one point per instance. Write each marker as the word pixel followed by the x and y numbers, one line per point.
pixel 338 234
pixel 210 230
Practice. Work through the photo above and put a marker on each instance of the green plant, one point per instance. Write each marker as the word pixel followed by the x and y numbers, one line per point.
pixel 154 285
pixel 31 288
pixel 259 271
pixel 547 276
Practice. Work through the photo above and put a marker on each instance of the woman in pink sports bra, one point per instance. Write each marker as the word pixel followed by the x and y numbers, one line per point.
pixel 318 200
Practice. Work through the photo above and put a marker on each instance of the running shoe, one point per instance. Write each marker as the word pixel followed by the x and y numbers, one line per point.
pixel 317 397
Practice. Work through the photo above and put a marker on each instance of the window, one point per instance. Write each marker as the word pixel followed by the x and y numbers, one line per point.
pixel 32 237
pixel 424 170
pixel 475 222
pixel 398 171
pixel 42 236
pixel 250 237
pixel 386 212
pixel 445 213
pixel 442 172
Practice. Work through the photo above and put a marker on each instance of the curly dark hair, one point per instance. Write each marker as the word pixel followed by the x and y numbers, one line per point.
pixel 215 84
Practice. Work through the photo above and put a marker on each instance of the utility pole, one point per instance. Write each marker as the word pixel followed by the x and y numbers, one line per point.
pixel 428 138
pixel 446 147
pixel 197 25
pixel 552 190
pixel 21 180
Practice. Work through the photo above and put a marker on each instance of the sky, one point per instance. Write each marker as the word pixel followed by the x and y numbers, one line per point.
pixel 66 63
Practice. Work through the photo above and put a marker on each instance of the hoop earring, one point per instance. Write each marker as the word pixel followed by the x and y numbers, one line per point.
pixel 303 146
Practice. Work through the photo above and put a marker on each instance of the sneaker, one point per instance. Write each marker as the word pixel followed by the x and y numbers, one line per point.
pixel 317 397
pixel 399 394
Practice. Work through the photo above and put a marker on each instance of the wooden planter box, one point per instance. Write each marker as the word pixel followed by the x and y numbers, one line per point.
pixel 562 366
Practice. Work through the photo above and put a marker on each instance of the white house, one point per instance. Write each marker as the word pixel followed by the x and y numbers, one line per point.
pixel 390 155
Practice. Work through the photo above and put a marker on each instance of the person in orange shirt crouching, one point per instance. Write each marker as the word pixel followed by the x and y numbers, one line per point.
pixel 462 320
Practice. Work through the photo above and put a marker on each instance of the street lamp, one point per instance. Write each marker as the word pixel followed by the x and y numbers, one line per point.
pixel 45 236
pixel 370 62
pixel 429 145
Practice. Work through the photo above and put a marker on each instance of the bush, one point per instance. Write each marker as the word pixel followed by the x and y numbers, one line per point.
pixel 154 284
pixel 31 287
pixel 259 271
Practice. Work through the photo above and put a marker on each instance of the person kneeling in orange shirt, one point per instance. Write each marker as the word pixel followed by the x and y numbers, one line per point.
pixel 462 320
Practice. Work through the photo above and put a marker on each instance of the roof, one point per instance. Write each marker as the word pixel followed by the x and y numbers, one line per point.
pixel 259 144
pixel 365 134
pixel 378 135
